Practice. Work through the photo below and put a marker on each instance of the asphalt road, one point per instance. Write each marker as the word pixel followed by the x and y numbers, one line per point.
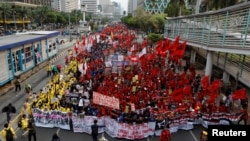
pixel 45 134
pixel 37 81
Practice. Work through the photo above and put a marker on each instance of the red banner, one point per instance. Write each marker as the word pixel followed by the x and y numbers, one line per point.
pixel 104 100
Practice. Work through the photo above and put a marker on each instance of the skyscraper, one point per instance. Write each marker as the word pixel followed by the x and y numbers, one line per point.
pixel 69 5
pixel 32 2
pixel 92 5
pixel 133 5
pixel 155 6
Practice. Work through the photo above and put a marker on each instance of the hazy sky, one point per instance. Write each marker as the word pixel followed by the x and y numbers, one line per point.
pixel 124 4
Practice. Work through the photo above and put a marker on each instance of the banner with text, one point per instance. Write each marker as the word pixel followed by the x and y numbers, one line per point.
pixel 51 119
pixel 104 100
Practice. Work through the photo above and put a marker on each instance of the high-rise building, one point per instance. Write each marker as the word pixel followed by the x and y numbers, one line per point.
pixel 117 8
pixel 140 3
pixel 69 5
pixel 133 5
pixel 30 3
pixel 92 5
pixel 105 6
pixel 104 2
pixel 56 4
pixel 155 6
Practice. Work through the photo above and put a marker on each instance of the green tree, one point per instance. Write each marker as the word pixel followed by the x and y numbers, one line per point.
pixel 60 18
pixel 160 22
pixel 172 10
pixel 6 12
pixel 41 14
pixel 130 21
pixel 154 37
pixel 142 18
pixel 51 17
pixel 104 20
pixel 23 12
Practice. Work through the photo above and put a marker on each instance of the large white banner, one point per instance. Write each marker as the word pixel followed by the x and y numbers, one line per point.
pixel 83 125
pixel 51 119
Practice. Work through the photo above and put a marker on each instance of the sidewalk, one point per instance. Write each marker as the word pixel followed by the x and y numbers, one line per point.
pixel 25 75
pixel 7 91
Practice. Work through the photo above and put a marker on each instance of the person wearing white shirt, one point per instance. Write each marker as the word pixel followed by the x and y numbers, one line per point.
pixel 80 104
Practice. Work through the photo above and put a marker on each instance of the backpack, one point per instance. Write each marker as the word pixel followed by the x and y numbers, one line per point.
pixel 94 130
pixel 9 135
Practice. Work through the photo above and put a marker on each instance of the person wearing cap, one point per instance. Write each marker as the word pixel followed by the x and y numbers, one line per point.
pixel 165 134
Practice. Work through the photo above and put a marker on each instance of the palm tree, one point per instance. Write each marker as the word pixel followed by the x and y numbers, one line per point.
pixel 172 9
pixel 5 12
pixel 181 6
pixel 41 14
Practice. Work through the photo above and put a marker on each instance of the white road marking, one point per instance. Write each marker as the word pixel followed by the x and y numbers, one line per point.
pixel 191 132
pixel 57 132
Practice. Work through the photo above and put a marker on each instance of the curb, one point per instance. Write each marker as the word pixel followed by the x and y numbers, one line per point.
pixel 25 75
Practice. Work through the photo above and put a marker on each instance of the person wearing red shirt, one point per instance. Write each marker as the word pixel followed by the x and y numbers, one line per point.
pixel 165 134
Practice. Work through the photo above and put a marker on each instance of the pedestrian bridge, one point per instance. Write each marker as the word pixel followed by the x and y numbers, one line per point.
pixel 223 34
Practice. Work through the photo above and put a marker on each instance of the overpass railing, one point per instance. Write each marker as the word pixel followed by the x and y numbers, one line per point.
pixel 225 28
pixel 226 31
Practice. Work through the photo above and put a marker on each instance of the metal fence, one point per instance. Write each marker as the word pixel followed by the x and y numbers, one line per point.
pixel 228 27
pixel 224 31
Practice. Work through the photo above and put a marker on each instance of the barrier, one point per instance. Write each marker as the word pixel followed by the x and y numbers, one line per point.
pixel 115 129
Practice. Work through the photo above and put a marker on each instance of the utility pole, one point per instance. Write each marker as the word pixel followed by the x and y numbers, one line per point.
pixel 14 18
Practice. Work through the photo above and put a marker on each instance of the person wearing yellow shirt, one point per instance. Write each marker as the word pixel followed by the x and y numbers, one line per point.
pixel 24 124
pixel 48 69
pixel 61 91
pixel 5 131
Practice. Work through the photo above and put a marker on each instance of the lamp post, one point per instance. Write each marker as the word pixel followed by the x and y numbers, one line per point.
pixel 69 11
pixel 14 18
pixel 84 9
pixel 23 22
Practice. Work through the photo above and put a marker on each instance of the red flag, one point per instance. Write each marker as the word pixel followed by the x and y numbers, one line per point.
pixel 178 95
pixel 150 56
pixel 180 50
pixel 239 94
pixel 212 98
pixel 216 84
pixel 154 72
pixel 158 47
pixel 175 44
pixel 133 58
pixel 205 82
pixel 187 90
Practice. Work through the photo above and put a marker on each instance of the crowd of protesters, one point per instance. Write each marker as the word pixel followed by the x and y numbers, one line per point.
pixel 149 83
pixel 154 86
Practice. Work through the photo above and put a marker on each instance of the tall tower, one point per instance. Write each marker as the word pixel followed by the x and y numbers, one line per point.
pixel 92 5
pixel 155 6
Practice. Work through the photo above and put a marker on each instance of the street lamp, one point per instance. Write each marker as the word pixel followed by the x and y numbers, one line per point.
pixel 69 11
pixel 14 18
pixel 23 22
pixel 84 9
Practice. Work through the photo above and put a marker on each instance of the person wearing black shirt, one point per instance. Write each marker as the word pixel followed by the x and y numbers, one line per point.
pixel 94 130
pixel 31 130
pixel 9 109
